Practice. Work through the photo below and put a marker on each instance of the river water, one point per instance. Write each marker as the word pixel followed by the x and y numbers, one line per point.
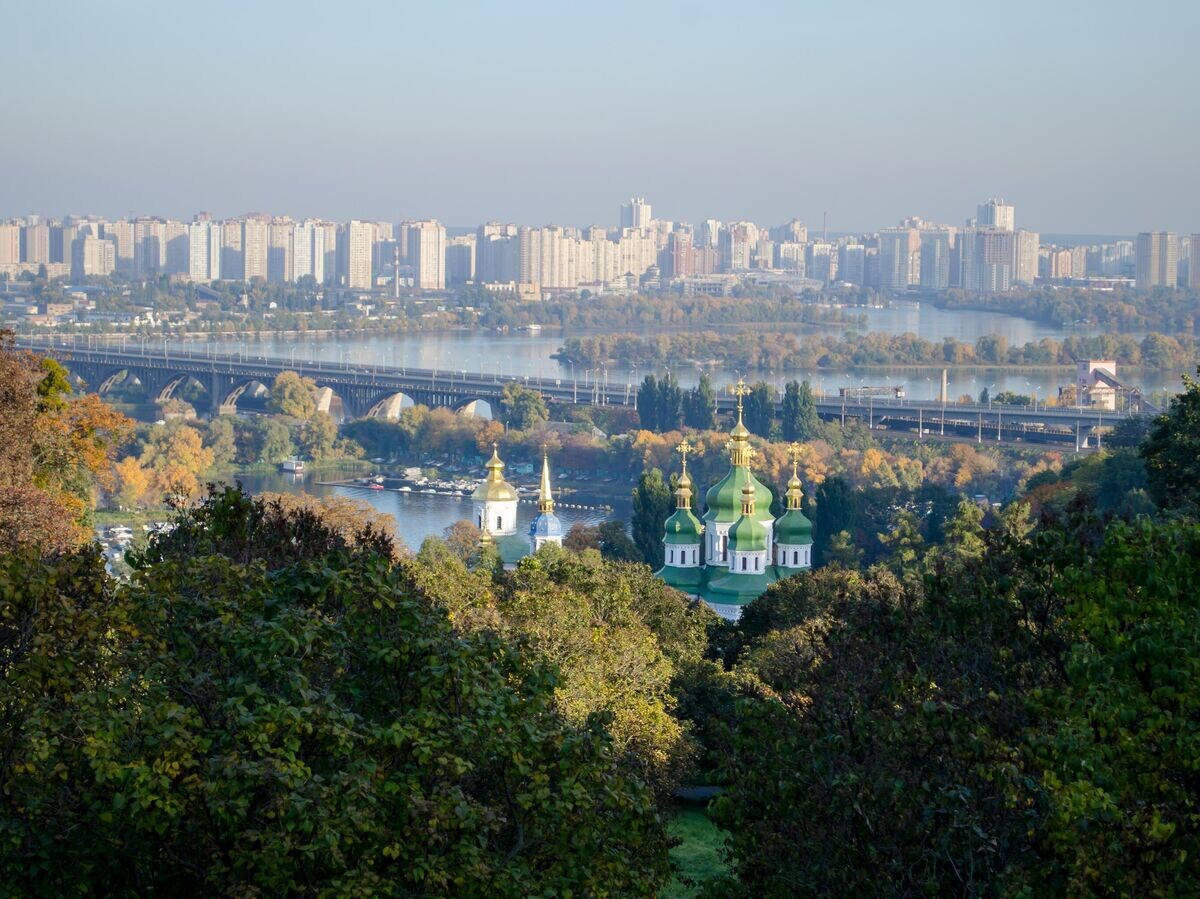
pixel 417 515
pixel 524 354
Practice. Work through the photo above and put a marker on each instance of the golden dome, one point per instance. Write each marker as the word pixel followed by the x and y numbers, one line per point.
pixel 493 488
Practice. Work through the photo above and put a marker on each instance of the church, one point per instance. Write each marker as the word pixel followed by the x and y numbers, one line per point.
pixel 739 549
pixel 727 559
pixel 495 508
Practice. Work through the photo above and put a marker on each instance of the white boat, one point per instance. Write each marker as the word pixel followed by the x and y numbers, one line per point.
pixel 293 465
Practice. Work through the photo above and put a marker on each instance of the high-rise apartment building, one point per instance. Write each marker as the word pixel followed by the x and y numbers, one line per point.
pixel 995 214
pixel 256 239
pixel 987 260
pixel 460 259
pixel 820 261
pixel 10 244
pixel 1194 261
pixel 636 213
pixel 1025 257
pixel 98 257
pixel 496 253
pixel 121 234
pixel 737 243
pixel 360 238
pixel 427 254
pixel 1157 259
pixel 204 251
pixel 935 259
pixel 896 253
pixel 233 260
pixel 852 263
pixel 35 244
pixel 678 260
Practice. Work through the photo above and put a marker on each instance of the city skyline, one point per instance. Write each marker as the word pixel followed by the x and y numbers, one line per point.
pixel 1080 114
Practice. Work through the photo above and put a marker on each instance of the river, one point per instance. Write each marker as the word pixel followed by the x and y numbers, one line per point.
pixel 523 354
pixel 417 515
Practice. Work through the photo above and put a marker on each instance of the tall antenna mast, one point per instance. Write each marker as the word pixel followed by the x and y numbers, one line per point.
pixel 825 226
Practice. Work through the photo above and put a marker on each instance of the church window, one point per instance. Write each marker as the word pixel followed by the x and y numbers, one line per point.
pixel 758 563
pixel 499 522
pixel 743 563
pixel 672 557
pixel 795 557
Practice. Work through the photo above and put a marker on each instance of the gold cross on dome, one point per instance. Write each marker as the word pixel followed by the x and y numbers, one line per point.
pixel 740 390
pixel 794 450
pixel 683 449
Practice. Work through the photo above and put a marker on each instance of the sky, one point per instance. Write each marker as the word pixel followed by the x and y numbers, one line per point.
pixel 1084 115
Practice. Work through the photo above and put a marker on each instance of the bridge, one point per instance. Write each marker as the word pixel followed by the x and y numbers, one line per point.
pixel 372 391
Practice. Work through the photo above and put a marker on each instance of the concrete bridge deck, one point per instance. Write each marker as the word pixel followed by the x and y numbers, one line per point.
pixel 370 389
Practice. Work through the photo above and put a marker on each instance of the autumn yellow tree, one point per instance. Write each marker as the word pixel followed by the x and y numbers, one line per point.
pixel 176 457
pixel 54 450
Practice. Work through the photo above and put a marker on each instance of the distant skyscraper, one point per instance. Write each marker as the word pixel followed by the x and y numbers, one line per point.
pixel 1157 259
pixel 255 247
pixel 820 262
pixel 1025 257
pixel 10 244
pixel 98 257
pixel 636 213
pixel 427 254
pixel 987 259
pixel 460 259
pixel 679 256
pixel 121 234
pixel 35 244
pixel 935 259
pixel 996 214
pixel 1194 262
pixel 852 263
pixel 360 236
pixel 894 258
pixel 737 245
pixel 496 253
pixel 232 258
pixel 204 251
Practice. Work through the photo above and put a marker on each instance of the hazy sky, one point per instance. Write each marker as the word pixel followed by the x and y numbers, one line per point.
pixel 1085 115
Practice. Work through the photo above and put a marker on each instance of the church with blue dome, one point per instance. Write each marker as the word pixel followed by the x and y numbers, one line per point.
pixel 739 549
pixel 495 510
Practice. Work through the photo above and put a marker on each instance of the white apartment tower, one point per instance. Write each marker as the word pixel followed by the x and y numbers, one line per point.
pixel 996 214
pixel 1157 259
pixel 204 251
pixel 636 213
pixel 427 254
pixel 360 238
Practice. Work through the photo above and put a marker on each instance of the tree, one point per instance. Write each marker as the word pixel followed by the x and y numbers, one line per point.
pixel 275 443
pixel 670 404
pixel 648 404
pixel 222 440
pixel 842 550
pixel 964 532
pixel 615 543
pixel 176 457
pixel 835 512
pixel 293 396
pixel 760 409
pixel 904 540
pixel 133 482
pixel 700 406
pixel 523 407
pixel 318 728
pixel 984 397
pixel 652 505
pixel 317 436
pixel 462 539
pixel 799 419
pixel 1172 451
pixel 582 537
pixel 54 449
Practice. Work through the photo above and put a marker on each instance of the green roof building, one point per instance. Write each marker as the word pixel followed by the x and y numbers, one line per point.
pixel 738 550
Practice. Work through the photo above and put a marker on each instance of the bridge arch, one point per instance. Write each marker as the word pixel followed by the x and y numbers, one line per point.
pixel 184 386
pixel 477 408
pixel 389 405
pixel 244 388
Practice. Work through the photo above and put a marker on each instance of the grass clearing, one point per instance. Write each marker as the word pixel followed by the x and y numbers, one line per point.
pixel 698 857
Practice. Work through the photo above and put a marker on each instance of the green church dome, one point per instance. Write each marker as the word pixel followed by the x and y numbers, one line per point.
pixel 683 528
pixel 724 498
pixel 793 528
pixel 749 534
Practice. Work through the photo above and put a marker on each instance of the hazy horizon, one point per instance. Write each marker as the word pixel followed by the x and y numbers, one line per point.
pixel 1080 115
